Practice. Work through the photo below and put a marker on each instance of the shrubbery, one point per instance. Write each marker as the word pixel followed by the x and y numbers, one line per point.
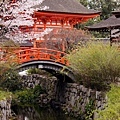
pixel 96 65
pixel 28 96
pixel 112 111
pixel 4 95
pixel 10 80
pixel 37 71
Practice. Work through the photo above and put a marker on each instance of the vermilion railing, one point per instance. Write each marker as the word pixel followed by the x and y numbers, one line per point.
pixel 33 54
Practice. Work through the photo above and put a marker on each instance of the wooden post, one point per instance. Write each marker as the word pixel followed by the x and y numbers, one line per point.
pixel 63 45
pixel 110 38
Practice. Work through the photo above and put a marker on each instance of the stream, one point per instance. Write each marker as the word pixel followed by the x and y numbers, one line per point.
pixel 37 113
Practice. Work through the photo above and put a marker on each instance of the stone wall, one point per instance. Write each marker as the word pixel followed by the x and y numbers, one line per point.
pixel 5 109
pixel 73 98
pixel 79 100
pixel 47 83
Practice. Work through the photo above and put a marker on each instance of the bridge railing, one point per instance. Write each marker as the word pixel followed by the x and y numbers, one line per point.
pixel 32 54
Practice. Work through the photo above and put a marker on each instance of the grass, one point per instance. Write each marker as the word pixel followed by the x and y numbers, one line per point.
pixel 4 95
pixel 112 111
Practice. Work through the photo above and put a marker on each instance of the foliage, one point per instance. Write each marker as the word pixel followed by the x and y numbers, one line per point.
pixel 96 64
pixel 68 37
pixel 33 71
pixel 84 2
pixel 8 58
pixel 93 33
pixel 112 111
pixel 105 7
pixel 24 96
pixel 38 71
pixel 89 108
pixel 10 80
pixel 4 94
pixel 28 95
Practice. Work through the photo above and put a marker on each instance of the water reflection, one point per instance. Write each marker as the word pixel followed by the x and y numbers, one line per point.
pixel 37 113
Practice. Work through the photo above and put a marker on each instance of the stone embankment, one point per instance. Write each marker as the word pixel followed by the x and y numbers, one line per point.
pixel 47 83
pixel 5 109
pixel 73 98
pixel 79 100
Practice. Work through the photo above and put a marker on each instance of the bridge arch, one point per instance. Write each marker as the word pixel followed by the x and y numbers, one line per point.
pixel 59 70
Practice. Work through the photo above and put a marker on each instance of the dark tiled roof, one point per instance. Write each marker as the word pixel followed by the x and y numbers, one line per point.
pixel 4 39
pixel 111 22
pixel 116 13
pixel 26 43
pixel 7 42
pixel 66 6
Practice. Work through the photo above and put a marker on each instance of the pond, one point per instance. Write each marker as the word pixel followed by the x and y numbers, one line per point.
pixel 38 113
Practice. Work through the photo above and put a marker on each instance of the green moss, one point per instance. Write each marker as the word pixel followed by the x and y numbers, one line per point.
pixel 4 95
pixel 112 111
pixel 38 71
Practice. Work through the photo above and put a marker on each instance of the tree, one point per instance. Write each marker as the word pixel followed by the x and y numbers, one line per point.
pixel 16 14
pixel 12 16
pixel 105 6
pixel 84 2
pixel 69 37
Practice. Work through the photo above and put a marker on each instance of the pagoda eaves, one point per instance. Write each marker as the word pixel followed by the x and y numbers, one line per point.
pixel 116 13
pixel 55 19
pixel 106 25
pixel 62 13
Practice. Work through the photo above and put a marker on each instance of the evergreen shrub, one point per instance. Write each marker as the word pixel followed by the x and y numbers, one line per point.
pixel 96 65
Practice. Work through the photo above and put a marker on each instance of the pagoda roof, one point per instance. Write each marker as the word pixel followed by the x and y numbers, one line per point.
pixel 110 23
pixel 116 13
pixel 26 43
pixel 4 39
pixel 66 6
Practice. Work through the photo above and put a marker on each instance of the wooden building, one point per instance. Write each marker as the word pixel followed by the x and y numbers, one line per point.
pixel 59 14
pixel 111 25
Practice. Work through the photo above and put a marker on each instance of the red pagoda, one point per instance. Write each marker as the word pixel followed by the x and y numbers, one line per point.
pixel 59 14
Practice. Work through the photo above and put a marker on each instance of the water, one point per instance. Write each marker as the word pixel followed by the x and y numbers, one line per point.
pixel 37 113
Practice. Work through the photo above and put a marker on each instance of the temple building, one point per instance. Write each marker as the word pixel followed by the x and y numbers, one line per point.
pixel 111 25
pixel 62 13
pixel 59 14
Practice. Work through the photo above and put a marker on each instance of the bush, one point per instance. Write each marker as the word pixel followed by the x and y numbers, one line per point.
pixel 10 80
pixel 37 71
pixel 9 77
pixel 24 96
pixel 5 95
pixel 96 65
pixel 28 96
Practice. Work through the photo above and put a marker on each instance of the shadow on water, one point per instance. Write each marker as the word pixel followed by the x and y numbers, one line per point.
pixel 37 113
